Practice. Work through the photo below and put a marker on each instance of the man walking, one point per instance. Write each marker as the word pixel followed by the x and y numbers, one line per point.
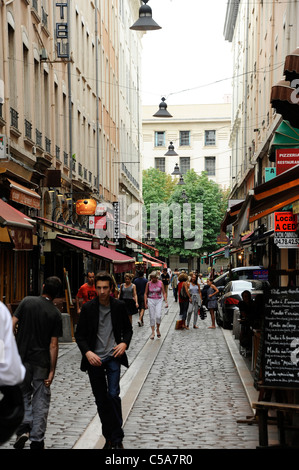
pixel 103 334
pixel 86 292
pixel 39 326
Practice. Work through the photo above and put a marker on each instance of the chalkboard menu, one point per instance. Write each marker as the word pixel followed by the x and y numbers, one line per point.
pixel 281 338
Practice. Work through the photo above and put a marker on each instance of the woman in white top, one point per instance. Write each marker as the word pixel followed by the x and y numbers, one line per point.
pixel 196 297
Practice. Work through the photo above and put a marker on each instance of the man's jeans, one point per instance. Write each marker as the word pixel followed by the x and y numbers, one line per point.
pixel 36 402
pixel 104 382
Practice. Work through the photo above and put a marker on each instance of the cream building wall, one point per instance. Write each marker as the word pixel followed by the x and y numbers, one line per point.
pixel 262 34
pixel 196 120
pixel 72 115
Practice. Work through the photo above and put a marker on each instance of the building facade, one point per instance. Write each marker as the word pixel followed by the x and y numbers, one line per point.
pixel 262 34
pixel 69 126
pixel 199 134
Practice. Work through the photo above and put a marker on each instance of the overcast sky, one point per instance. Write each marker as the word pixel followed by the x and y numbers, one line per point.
pixel 188 53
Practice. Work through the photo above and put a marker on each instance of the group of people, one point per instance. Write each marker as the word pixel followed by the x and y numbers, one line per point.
pixel 103 335
pixel 192 293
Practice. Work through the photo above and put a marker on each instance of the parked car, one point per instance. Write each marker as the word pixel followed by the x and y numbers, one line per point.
pixel 243 272
pixel 229 299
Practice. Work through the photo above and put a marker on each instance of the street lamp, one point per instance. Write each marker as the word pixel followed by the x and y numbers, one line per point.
pixel 171 152
pixel 145 21
pixel 176 171
pixel 162 112
pixel 181 181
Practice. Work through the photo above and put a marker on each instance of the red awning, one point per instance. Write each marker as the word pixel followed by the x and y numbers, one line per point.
pixel 137 242
pixel 11 217
pixel 154 260
pixel 121 263
pixel 22 195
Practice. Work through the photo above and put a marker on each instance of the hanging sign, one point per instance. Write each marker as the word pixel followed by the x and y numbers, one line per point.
pixel 97 222
pixel 116 221
pixel 86 206
pixel 62 31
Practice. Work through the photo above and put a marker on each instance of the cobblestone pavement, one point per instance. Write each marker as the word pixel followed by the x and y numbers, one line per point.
pixel 191 398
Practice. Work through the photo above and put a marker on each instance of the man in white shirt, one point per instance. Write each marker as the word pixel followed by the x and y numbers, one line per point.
pixel 12 373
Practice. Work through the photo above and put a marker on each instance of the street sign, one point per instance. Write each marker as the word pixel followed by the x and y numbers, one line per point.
pixel 2 146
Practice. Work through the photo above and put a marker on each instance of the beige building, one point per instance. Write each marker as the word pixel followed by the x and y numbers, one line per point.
pixel 262 34
pixel 199 134
pixel 69 113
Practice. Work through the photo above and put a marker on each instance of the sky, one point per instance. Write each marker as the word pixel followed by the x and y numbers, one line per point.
pixel 188 61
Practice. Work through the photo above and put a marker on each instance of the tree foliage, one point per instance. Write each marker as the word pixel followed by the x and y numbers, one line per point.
pixel 159 188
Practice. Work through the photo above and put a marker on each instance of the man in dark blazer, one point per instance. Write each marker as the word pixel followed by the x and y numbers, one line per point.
pixel 103 334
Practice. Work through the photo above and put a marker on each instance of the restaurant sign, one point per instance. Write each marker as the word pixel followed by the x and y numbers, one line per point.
pixel 286 159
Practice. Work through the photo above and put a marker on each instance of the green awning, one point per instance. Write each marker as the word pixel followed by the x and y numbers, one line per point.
pixel 285 137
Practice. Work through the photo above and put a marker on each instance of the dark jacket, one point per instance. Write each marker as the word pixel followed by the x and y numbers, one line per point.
pixel 87 328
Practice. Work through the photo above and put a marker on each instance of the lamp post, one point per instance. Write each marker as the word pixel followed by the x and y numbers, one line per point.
pixel 171 152
pixel 145 21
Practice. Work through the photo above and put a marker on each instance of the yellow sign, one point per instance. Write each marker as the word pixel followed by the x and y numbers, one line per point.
pixel 86 206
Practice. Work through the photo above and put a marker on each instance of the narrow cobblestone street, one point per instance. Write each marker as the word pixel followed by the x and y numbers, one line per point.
pixel 191 397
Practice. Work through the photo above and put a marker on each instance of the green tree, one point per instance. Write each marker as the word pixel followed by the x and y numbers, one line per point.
pixel 159 188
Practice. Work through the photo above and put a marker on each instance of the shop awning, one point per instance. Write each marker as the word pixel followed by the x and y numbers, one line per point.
pixel 267 198
pixel 22 195
pixel 231 215
pixel 11 217
pixel 286 137
pixel 121 262
pixel 62 227
pixel 17 227
pixel 137 242
pixel 282 99
pixel 154 260
pixel 291 65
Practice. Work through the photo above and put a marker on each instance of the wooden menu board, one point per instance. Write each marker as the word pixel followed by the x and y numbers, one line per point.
pixel 280 356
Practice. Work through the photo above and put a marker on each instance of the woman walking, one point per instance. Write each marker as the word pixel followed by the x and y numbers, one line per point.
pixel 153 299
pixel 196 298
pixel 212 301
pixel 128 294
pixel 184 297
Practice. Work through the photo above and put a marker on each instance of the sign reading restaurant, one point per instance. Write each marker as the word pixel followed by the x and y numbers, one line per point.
pixel 62 31
pixel 286 159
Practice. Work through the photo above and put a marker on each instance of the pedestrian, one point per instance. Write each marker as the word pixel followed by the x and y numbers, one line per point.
pixel 103 335
pixel 140 283
pixel 153 300
pixel 212 301
pixel 184 297
pixel 165 278
pixel 86 292
pixel 39 327
pixel 196 300
pixel 128 294
pixel 174 284
pixel 12 373
pixel 200 281
pixel 247 317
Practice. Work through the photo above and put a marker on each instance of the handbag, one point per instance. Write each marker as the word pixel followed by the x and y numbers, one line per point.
pixel 202 313
pixel 178 325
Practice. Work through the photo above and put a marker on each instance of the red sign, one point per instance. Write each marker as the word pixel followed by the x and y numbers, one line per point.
pixel 97 222
pixel 286 159
pixel 285 222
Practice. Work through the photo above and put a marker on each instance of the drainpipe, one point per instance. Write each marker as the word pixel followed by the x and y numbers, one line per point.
pixel 69 71
pixel 246 85
pixel 97 95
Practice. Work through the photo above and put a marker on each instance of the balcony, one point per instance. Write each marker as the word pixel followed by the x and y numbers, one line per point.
pixel 48 145
pixel 38 138
pixel 65 159
pixel 28 133
pixel 14 122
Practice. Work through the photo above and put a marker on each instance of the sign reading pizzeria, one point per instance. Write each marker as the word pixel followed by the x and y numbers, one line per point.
pixel 286 159
pixel 285 222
